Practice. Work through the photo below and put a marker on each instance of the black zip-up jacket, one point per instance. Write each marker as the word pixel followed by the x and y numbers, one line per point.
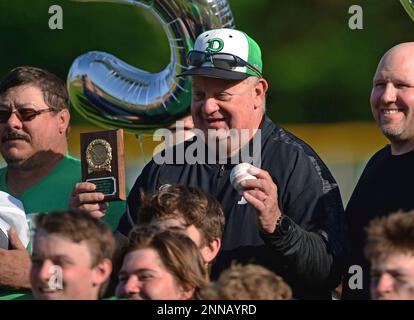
pixel 310 256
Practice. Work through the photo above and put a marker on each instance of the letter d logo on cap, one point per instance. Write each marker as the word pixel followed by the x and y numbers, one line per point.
pixel 215 45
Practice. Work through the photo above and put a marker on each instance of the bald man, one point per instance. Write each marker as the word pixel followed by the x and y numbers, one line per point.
pixel 386 184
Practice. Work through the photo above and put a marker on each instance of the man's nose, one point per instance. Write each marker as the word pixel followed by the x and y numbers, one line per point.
pixel 132 285
pixel 45 271
pixel 389 94
pixel 385 284
pixel 210 106
pixel 14 121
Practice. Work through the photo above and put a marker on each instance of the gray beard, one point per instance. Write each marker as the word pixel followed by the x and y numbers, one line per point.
pixel 393 134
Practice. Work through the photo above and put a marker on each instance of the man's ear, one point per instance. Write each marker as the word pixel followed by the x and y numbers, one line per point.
pixel 64 118
pixel 260 90
pixel 209 251
pixel 101 272
pixel 186 293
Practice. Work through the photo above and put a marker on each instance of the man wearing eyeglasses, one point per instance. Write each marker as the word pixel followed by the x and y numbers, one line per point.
pixel 34 123
pixel 290 217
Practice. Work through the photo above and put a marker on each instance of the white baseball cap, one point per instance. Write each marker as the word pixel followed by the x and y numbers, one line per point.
pixel 225 54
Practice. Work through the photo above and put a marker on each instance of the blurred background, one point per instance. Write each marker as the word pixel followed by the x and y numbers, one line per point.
pixel 319 70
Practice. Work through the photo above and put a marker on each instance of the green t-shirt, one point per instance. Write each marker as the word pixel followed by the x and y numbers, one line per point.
pixel 16 295
pixel 52 193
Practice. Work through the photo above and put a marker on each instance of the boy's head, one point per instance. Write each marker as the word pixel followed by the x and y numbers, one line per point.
pixel 248 282
pixel 190 209
pixel 390 249
pixel 72 254
pixel 160 264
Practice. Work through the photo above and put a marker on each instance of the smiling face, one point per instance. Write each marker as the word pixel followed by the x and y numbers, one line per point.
pixel 143 276
pixel 392 96
pixel 21 140
pixel 392 277
pixel 58 260
pixel 220 105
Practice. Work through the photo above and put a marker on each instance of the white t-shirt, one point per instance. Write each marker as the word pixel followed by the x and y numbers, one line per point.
pixel 12 214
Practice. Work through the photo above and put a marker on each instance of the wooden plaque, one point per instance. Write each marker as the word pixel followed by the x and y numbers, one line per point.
pixel 102 158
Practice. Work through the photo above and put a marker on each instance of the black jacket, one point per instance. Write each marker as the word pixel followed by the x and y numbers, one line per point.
pixel 310 256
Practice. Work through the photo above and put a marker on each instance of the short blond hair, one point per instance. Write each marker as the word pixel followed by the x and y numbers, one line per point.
pixel 248 282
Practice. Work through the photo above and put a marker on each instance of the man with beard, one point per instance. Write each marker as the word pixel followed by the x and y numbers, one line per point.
pixel 34 124
pixel 385 186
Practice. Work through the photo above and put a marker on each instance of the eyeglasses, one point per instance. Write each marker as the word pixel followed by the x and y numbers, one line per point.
pixel 224 61
pixel 24 113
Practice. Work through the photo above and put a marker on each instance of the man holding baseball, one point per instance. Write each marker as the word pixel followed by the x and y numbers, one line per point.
pixel 284 211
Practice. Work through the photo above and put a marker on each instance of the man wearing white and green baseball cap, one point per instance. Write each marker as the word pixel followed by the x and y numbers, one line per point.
pixel 225 54
pixel 289 216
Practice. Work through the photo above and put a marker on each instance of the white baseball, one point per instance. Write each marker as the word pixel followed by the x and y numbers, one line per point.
pixel 239 174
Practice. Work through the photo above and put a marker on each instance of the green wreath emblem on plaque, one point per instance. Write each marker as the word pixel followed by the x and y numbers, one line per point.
pixel 99 156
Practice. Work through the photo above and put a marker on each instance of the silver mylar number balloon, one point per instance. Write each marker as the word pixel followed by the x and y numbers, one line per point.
pixel 114 94
pixel 409 7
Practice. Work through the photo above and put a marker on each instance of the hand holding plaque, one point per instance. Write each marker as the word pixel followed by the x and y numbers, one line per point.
pixel 102 158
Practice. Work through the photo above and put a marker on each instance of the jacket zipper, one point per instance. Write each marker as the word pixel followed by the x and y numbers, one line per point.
pixel 221 172
pixel 219 177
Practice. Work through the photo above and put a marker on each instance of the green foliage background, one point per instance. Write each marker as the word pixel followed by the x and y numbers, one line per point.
pixel 319 69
